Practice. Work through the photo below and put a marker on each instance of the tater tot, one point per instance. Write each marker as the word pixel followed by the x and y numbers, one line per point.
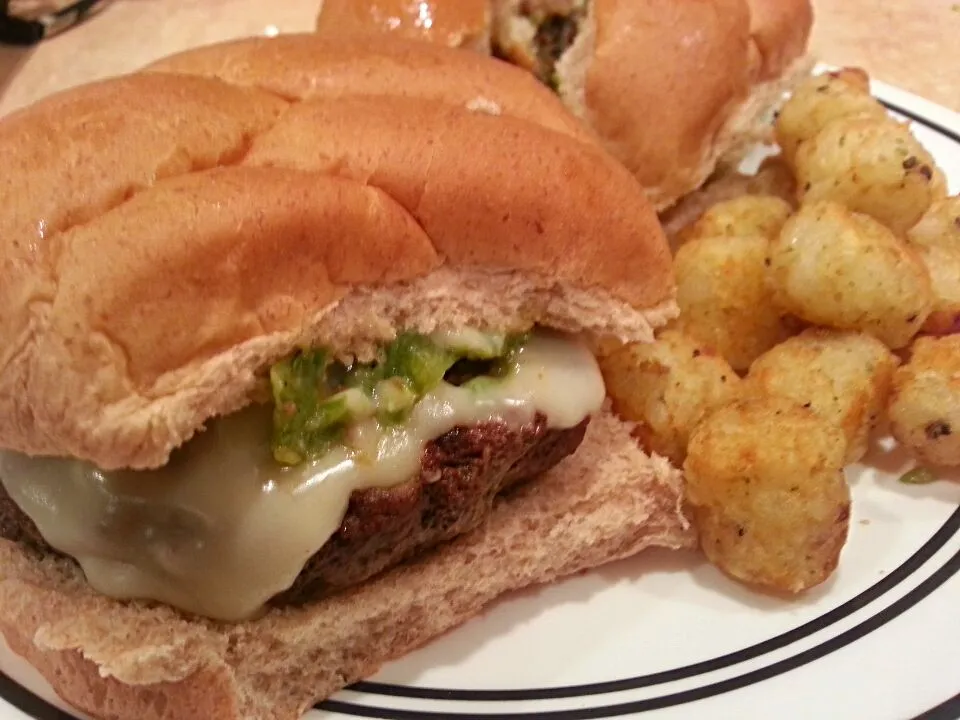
pixel 725 302
pixel 843 376
pixel 765 484
pixel 746 215
pixel 940 225
pixel 666 387
pixel 840 269
pixel 943 266
pixel 773 178
pixel 820 100
pixel 874 167
pixel 924 406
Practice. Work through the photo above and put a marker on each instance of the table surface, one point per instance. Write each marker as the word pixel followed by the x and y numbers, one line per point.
pixel 914 44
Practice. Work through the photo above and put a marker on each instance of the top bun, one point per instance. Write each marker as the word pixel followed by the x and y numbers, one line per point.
pixel 668 87
pixel 168 235
pixel 304 67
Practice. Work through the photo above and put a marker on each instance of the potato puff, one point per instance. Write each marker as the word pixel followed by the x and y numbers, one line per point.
pixel 765 484
pixel 845 270
pixel 724 298
pixel 820 100
pixel 943 266
pixel 666 387
pixel 746 215
pixel 872 166
pixel 773 178
pixel 924 406
pixel 937 241
pixel 939 226
pixel 843 376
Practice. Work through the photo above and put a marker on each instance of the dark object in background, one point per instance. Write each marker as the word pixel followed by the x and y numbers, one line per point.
pixel 38 20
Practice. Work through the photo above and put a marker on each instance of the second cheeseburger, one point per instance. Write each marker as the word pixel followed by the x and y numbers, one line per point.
pixel 279 372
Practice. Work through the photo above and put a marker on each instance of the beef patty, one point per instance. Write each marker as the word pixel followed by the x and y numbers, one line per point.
pixel 461 474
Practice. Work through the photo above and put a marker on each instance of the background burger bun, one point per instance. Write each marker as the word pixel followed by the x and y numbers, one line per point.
pixel 172 232
pixel 669 87
pixel 303 67
pixel 460 24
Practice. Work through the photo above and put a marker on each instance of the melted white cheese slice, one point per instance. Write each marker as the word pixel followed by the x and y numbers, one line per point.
pixel 222 527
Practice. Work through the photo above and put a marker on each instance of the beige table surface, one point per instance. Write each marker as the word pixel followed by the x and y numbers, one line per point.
pixel 914 44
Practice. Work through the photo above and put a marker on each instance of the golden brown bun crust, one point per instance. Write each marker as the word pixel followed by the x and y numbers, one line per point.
pixel 780 30
pixel 669 87
pixel 605 502
pixel 59 157
pixel 681 67
pixel 460 24
pixel 299 67
pixel 417 153
pixel 703 74
pixel 169 236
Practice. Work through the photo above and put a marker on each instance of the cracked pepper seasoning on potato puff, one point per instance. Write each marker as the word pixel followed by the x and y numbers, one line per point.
pixel 820 100
pixel 725 300
pixel 765 483
pixel 843 376
pixel 841 269
pixel 745 215
pixel 872 166
pixel 667 387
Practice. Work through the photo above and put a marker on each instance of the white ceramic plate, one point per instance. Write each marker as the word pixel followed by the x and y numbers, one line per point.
pixel 666 636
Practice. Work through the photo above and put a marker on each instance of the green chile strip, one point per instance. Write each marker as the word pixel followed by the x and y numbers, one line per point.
pixel 316 399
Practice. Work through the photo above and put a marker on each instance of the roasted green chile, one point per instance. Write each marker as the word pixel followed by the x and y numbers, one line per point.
pixel 317 398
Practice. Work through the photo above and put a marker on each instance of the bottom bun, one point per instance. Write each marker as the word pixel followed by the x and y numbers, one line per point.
pixel 135 661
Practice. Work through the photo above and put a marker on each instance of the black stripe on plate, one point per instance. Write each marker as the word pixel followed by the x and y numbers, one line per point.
pixel 29 703
pixel 895 578
pixel 950 710
pixel 631 708
pixel 919 119
pixel 38 708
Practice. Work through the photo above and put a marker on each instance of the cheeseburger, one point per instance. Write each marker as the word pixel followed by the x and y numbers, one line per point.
pixel 296 368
